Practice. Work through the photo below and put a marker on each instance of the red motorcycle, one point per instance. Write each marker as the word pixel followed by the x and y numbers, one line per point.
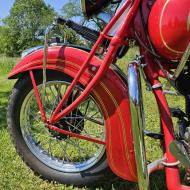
pixel 76 118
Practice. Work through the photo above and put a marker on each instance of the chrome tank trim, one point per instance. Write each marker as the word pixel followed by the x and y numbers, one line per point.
pixel 138 123
pixel 182 63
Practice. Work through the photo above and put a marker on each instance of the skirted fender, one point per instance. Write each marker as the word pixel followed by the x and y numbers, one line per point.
pixel 111 93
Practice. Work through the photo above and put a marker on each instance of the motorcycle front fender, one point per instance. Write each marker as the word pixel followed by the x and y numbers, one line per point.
pixel 111 93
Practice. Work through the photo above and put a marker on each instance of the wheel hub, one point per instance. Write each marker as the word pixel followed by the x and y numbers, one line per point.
pixel 73 122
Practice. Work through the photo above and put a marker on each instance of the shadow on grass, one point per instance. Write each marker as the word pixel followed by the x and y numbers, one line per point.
pixel 157 182
pixel 120 184
pixel 3 109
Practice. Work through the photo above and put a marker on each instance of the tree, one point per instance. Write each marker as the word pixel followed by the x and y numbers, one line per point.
pixel 72 11
pixel 26 18
pixel 4 41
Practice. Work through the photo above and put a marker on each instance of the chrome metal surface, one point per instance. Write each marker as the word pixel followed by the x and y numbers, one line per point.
pixel 182 63
pixel 138 122
pixel 61 152
pixel 47 33
pixel 174 93
pixel 158 85
pixel 105 17
pixel 178 150
pixel 172 164
pixel 120 21
pixel 83 7
pixel 156 165
pixel 30 50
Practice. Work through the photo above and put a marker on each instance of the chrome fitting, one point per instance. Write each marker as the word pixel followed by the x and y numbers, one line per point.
pixel 156 86
pixel 172 164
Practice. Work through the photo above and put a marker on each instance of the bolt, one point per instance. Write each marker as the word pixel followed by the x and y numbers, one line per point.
pixel 93 68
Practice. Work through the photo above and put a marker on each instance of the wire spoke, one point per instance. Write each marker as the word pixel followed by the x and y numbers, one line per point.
pixel 65 153
pixel 74 127
pixel 84 117
pixel 58 90
pixel 44 142
pixel 94 121
pixel 75 145
pixel 94 114
pixel 55 148
pixel 49 146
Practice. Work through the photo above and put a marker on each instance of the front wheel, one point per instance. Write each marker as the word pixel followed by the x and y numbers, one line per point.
pixel 52 155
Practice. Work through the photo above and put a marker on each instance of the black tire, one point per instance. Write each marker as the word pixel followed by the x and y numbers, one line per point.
pixel 95 175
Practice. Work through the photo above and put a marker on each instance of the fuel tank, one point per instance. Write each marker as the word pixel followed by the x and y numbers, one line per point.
pixel 169 27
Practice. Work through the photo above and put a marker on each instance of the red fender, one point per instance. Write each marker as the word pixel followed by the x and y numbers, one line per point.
pixel 111 94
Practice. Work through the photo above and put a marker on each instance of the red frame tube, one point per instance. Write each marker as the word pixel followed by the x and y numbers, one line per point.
pixel 172 173
pixel 152 73
pixel 115 43
pixel 62 131
pixel 54 128
pixel 42 112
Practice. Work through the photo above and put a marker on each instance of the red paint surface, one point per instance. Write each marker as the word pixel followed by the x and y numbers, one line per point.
pixel 169 27
pixel 115 106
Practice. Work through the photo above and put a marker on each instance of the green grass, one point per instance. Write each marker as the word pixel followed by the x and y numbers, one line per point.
pixel 14 174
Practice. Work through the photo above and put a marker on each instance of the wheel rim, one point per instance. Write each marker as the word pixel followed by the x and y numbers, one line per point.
pixel 61 152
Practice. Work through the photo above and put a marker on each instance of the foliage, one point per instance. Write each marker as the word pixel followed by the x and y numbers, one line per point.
pixel 72 10
pixel 26 18
pixel 68 35
pixel 4 40
pixel 26 23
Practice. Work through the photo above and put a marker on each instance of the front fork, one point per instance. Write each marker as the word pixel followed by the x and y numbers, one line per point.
pixel 138 124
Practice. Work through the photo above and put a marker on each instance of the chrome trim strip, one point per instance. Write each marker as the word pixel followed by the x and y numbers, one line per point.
pixel 182 63
pixel 138 123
